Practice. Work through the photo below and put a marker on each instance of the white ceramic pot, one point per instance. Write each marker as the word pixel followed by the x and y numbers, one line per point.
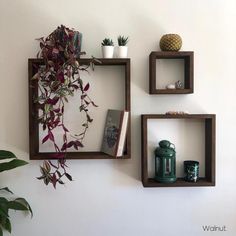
pixel 122 52
pixel 107 51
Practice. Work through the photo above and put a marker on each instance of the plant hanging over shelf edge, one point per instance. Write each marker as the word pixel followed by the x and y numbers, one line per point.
pixel 58 80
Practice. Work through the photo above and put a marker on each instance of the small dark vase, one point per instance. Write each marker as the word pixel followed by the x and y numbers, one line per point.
pixel 191 170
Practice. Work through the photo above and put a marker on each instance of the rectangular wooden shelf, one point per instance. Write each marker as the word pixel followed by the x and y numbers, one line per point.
pixel 33 112
pixel 180 182
pixel 188 72
pixel 173 91
pixel 82 155
pixel 209 179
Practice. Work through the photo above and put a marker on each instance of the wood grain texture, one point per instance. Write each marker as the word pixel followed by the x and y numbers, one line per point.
pixel 180 182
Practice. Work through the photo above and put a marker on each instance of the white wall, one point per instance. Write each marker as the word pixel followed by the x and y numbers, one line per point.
pixel 107 197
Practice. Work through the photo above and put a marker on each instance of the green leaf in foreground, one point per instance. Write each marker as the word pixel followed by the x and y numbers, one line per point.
pixel 6 224
pixel 12 164
pixel 6 154
pixel 24 202
pixel 3 210
pixel 19 204
pixel 16 206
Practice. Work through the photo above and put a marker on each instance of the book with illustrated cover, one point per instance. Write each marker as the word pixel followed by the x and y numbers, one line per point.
pixel 115 132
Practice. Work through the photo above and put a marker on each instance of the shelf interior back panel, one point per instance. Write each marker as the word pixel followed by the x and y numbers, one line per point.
pixel 107 90
pixel 169 71
pixel 188 136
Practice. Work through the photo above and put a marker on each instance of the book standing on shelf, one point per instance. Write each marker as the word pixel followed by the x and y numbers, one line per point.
pixel 115 132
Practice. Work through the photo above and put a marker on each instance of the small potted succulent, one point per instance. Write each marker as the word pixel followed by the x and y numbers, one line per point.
pixel 107 48
pixel 122 49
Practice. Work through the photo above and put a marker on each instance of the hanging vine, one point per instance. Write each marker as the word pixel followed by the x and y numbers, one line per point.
pixel 58 80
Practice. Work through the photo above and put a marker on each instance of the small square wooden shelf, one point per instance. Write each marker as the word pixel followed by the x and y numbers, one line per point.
pixel 209 179
pixel 33 112
pixel 188 72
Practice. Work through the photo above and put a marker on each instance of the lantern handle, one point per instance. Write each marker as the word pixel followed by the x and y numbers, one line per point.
pixel 173 145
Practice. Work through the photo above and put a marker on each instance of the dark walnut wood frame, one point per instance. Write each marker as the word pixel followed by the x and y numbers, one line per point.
pixel 33 112
pixel 188 72
pixel 209 179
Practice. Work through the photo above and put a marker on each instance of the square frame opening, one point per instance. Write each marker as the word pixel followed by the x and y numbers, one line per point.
pixel 188 58
pixel 35 154
pixel 209 179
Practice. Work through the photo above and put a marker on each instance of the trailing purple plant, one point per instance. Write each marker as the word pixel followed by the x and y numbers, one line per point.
pixel 58 80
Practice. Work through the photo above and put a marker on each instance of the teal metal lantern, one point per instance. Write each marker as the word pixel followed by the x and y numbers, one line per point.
pixel 165 162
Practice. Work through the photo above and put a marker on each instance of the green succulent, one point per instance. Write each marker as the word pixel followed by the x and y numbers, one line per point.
pixel 17 204
pixel 122 40
pixel 107 42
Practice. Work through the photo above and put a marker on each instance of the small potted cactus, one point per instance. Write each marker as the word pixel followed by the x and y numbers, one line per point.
pixel 122 49
pixel 107 48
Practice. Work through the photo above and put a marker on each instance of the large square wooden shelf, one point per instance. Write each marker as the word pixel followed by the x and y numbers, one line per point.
pixel 209 179
pixel 188 71
pixel 33 112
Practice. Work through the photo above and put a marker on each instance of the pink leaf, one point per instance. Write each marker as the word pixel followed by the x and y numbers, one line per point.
pixel 57 110
pixel 45 138
pixel 54 180
pixel 86 87
pixel 55 123
pixel 78 143
pixel 52 115
pixel 51 136
pixel 53 101
pixel 61 77
pixel 75 146
pixel 70 144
